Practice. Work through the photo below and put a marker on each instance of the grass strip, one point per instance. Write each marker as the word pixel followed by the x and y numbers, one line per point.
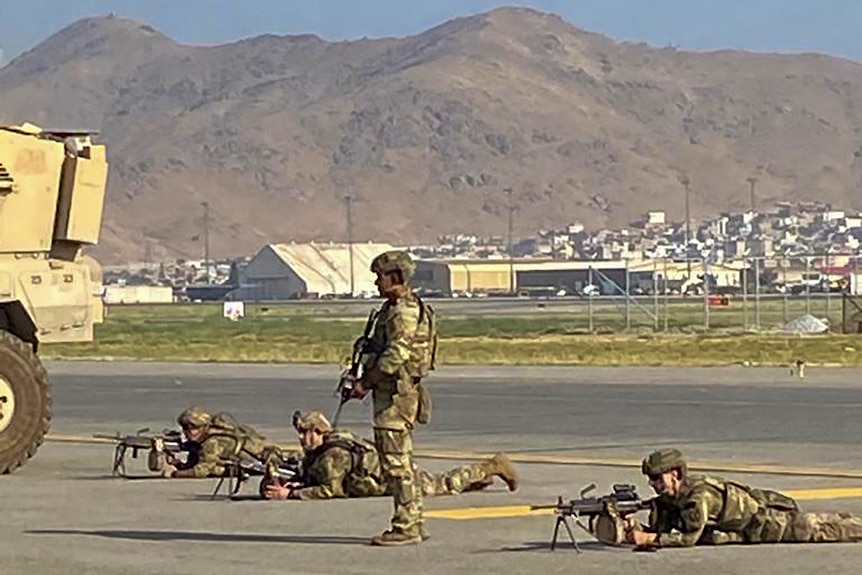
pixel 199 333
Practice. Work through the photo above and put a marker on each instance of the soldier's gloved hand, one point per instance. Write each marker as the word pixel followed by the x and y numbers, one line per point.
pixel 640 537
pixel 360 390
pixel 169 471
pixel 280 492
pixel 633 523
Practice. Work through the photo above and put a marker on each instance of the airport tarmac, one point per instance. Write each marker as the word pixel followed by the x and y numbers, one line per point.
pixel 565 427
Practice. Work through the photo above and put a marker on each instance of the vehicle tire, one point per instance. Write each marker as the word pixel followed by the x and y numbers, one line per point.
pixel 25 402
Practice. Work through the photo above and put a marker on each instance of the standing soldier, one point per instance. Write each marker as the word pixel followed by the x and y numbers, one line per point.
pixel 396 359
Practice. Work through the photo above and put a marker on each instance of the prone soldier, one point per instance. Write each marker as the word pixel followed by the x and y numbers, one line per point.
pixel 339 464
pixel 705 510
pixel 211 442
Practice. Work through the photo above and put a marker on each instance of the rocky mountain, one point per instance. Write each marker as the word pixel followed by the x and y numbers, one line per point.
pixel 426 132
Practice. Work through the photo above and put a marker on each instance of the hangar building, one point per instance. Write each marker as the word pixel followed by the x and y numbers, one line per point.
pixel 452 277
pixel 299 271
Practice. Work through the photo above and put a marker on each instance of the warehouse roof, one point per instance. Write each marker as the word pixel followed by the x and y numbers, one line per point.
pixel 325 268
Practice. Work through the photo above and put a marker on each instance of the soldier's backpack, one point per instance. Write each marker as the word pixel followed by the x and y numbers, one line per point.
pixel 423 347
pixel 423 357
pixel 363 478
pixel 248 440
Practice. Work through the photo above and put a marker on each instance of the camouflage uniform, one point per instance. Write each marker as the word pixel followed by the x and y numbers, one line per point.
pixel 348 466
pixel 711 511
pixel 224 440
pixel 398 349
pixel 329 476
pixel 473 477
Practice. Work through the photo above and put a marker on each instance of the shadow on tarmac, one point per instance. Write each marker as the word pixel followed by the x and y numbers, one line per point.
pixel 107 476
pixel 562 547
pixel 162 536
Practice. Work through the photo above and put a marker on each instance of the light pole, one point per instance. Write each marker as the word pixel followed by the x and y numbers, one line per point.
pixel 751 183
pixel 686 182
pixel 348 199
pixel 206 206
pixel 511 210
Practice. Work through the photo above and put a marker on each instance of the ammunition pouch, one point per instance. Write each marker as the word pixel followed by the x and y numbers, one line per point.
pixel 424 413
pixel 608 526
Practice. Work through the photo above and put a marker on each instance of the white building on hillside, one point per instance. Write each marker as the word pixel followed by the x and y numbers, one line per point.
pixel 297 271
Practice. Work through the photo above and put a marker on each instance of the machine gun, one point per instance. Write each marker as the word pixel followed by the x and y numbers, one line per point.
pixel 173 440
pixel 240 470
pixel 349 377
pixel 622 502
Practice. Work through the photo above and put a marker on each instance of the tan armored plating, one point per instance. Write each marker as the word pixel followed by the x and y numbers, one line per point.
pixel 52 191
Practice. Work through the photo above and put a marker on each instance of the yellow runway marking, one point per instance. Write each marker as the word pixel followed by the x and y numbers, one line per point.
pixel 486 512
pixel 550 459
pixel 85 439
pixel 825 493
pixel 713 466
pixel 76 438
pixel 498 512
pixel 464 513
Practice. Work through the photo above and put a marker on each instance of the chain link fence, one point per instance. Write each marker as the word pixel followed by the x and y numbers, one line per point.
pixel 810 293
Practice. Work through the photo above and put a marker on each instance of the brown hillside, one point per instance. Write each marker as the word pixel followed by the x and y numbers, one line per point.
pixel 428 130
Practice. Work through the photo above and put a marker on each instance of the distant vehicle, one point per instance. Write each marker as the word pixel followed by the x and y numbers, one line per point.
pixel 542 291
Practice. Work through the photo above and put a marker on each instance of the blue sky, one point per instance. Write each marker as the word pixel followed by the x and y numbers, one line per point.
pixel 826 26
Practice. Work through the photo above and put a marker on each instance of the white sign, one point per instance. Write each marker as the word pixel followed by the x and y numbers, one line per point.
pixel 233 310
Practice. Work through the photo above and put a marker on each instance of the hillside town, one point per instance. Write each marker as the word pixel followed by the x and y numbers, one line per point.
pixel 792 246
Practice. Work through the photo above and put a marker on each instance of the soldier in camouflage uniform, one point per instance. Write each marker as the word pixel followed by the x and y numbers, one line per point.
pixel 340 464
pixel 703 510
pixel 211 441
pixel 397 360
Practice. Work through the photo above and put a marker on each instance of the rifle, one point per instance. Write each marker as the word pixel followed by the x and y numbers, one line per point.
pixel 240 470
pixel 173 440
pixel 349 377
pixel 624 500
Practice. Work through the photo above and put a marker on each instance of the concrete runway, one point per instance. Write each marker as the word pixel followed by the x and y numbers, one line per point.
pixel 64 514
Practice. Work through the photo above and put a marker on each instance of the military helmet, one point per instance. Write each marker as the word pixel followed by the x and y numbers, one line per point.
pixel 393 261
pixel 662 461
pixel 195 416
pixel 311 420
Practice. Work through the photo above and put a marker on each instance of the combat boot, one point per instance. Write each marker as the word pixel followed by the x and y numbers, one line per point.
pixel 501 466
pixel 423 532
pixel 483 483
pixel 851 527
pixel 395 538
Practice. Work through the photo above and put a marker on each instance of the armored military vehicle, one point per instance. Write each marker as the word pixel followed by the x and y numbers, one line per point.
pixel 52 190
